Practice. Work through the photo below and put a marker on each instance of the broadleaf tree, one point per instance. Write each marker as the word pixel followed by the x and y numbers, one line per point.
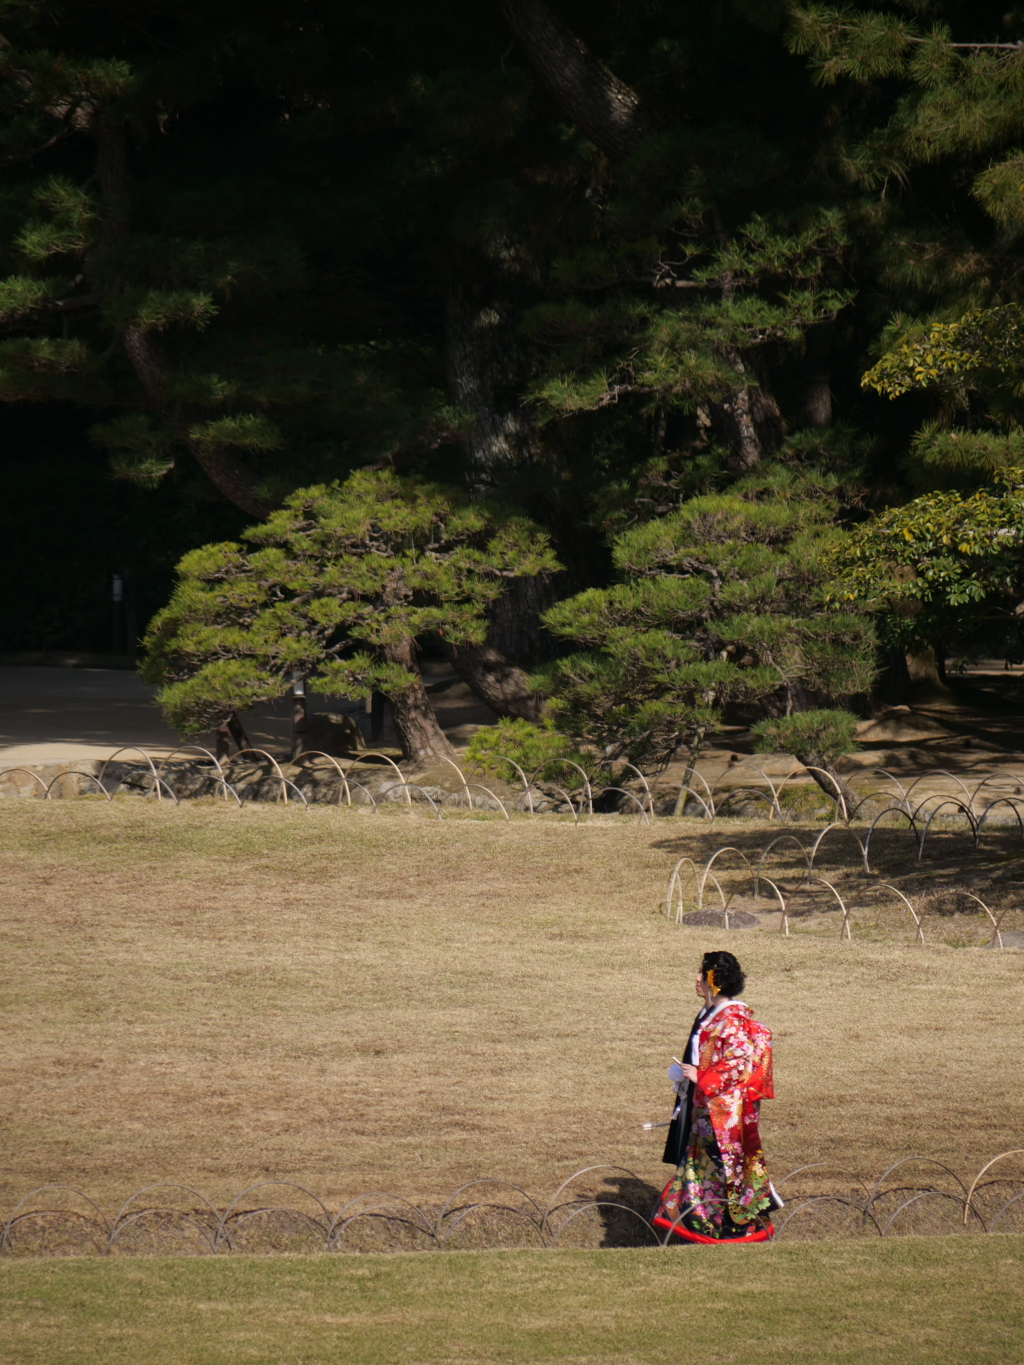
pixel 944 571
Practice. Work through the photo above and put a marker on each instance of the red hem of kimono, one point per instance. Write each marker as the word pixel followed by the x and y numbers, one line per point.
pixel 758 1235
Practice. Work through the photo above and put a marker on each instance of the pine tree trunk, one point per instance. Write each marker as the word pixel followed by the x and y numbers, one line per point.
pixel 487 369
pixel 514 633
pixel 231 729
pixel 828 779
pixel 422 739
pixel 734 418
pixel 748 420
pixel 607 110
pixel 691 768
pixel 514 624
pixel 498 684
pixel 818 376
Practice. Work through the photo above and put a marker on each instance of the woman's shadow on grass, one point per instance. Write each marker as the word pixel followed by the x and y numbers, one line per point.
pixel 625 1217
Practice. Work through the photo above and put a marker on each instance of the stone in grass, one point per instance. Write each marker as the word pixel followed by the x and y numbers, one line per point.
pixel 1012 938
pixel 715 919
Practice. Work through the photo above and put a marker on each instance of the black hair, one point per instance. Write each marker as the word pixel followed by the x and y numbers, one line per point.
pixel 729 976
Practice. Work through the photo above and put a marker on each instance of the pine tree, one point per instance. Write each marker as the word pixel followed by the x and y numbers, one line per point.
pixel 674 297
pixel 166 253
pixel 818 739
pixel 336 588
pixel 947 144
pixel 720 602
pixel 248 241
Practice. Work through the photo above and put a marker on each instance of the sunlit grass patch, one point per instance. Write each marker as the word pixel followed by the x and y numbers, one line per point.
pixel 916 1302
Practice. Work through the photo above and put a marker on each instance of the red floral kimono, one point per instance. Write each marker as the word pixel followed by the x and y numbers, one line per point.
pixel 721 1190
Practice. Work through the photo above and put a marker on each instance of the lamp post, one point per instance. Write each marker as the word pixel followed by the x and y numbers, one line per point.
pixel 117 599
pixel 298 714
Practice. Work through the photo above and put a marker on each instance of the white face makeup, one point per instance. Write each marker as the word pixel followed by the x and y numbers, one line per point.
pixel 704 990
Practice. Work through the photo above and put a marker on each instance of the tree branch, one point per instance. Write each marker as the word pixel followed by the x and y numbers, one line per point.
pixel 610 112
pixel 224 468
pixel 967 47
pixel 16 158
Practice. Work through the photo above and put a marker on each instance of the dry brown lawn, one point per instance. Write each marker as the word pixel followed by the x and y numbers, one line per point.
pixel 360 1002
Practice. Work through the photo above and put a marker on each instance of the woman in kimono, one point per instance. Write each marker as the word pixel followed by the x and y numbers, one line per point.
pixel 721 1191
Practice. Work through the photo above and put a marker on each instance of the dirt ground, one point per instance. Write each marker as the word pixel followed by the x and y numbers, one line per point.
pixel 359 1002
pixel 51 712
pixel 974 722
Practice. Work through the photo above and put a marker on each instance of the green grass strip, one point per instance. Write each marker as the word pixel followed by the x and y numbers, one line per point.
pixel 915 1301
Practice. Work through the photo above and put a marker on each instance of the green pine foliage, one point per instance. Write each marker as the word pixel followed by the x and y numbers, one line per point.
pixel 335 586
pixel 957 288
pixel 42 369
pixel 720 602
pixel 535 749
pixel 259 278
pixel 818 738
pixel 959 67
pixel 703 316
pixel 140 449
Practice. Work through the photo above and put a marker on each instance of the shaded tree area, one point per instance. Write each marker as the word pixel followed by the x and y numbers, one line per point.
pixel 583 262
pixel 943 149
pixel 67 526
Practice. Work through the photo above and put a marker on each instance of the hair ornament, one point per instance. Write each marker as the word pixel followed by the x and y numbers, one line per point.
pixel 711 979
